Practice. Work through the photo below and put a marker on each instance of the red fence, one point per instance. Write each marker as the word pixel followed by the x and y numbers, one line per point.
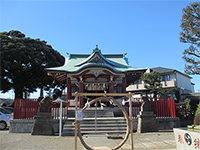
pixel 25 108
pixel 164 107
pixel 136 107
pixel 28 108
pixel 55 110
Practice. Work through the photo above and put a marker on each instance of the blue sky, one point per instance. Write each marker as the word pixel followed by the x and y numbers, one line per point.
pixel 147 30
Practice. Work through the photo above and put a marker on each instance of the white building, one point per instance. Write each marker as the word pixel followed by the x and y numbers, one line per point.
pixel 170 78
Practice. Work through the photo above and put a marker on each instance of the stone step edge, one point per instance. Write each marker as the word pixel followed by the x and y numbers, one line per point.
pixel 98 125
pixel 93 132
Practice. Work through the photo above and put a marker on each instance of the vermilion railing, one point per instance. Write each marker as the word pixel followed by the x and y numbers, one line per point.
pixel 162 107
pixel 55 110
pixel 28 108
pixel 25 108
pixel 136 107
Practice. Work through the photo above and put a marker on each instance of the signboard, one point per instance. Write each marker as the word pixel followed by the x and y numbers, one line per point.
pixel 72 103
pixel 79 115
pixel 96 86
pixel 187 139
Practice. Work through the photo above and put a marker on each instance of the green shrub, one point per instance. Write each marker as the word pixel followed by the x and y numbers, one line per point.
pixel 197 119
pixel 187 105
pixel 191 105
pixel 198 110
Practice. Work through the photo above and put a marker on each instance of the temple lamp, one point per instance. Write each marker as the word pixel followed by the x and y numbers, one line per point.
pixel 59 100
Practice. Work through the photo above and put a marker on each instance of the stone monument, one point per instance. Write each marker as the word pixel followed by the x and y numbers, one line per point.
pixel 146 118
pixel 43 122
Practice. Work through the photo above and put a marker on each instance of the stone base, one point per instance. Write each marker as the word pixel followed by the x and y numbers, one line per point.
pixel 21 125
pixel 43 124
pixel 167 123
pixel 147 122
pixel 26 125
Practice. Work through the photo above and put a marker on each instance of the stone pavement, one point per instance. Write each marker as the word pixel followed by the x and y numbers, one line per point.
pixel 26 141
pixel 142 141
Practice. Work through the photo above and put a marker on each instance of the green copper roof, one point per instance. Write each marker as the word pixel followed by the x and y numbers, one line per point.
pixel 78 62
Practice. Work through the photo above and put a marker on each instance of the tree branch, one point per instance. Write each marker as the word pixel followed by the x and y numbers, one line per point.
pixel 189 53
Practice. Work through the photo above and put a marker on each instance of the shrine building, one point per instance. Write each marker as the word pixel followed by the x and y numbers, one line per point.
pixel 95 73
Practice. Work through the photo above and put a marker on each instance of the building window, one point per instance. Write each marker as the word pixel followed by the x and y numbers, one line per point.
pixel 165 77
pixel 73 89
pixel 139 81
pixel 118 89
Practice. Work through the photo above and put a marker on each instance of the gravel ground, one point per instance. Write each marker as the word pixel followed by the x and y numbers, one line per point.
pixel 23 141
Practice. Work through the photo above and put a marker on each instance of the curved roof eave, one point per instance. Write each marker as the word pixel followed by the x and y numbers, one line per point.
pixel 130 69
pixel 96 59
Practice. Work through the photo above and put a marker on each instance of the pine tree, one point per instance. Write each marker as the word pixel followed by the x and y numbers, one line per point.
pixel 190 25
pixel 152 82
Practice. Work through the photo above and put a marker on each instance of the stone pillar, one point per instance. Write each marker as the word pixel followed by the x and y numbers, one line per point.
pixel 43 122
pixel 146 118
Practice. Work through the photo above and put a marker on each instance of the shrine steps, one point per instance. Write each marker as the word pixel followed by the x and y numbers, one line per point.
pixel 101 125
pixel 90 113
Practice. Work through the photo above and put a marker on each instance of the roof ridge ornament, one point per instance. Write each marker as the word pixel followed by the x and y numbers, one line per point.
pixel 125 54
pixel 96 49
pixel 68 54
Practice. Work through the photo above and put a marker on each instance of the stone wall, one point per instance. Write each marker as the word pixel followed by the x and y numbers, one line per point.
pixel 163 123
pixel 26 125
pixel 168 123
pixel 21 125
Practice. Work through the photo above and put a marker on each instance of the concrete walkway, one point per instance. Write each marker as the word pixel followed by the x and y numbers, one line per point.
pixel 143 141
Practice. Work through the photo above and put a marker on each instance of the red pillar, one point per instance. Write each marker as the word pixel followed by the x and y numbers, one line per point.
pixel 81 97
pixel 124 85
pixel 68 88
pixel 111 90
